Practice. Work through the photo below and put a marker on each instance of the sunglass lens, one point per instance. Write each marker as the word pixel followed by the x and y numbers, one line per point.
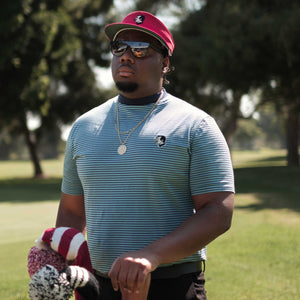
pixel 138 49
pixel 139 52
pixel 118 48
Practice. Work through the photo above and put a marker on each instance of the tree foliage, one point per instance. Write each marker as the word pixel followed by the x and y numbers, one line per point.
pixel 223 50
pixel 45 64
pixel 49 49
pixel 239 45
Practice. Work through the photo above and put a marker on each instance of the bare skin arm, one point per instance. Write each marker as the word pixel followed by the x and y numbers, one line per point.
pixel 71 212
pixel 131 271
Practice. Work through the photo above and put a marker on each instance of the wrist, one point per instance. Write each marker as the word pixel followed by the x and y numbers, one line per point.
pixel 154 256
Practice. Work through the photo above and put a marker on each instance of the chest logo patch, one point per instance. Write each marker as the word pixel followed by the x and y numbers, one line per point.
pixel 160 140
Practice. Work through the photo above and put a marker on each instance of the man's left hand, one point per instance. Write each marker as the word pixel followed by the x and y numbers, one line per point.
pixel 131 274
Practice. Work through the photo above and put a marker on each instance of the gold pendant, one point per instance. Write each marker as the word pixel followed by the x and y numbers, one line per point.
pixel 122 149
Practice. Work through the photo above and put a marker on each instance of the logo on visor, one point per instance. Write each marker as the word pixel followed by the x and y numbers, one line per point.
pixel 139 19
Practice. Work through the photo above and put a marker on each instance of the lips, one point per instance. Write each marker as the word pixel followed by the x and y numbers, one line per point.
pixel 125 72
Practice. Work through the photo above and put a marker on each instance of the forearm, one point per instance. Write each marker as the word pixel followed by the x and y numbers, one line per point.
pixel 195 233
pixel 212 218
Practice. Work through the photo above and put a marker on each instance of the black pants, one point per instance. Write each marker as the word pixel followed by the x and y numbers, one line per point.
pixel 185 287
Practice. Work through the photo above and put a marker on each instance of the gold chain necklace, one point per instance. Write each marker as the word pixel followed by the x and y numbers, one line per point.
pixel 123 148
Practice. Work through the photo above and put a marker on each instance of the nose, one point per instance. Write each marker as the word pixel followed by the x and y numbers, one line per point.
pixel 127 56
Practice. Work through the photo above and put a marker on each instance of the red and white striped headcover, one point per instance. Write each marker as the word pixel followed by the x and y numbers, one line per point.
pixel 69 243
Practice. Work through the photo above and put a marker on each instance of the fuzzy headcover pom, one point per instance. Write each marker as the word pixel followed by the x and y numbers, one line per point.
pixel 48 266
pixel 49 284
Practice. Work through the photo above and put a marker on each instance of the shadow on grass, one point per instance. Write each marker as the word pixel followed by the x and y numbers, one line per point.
pixel 30 190
pixel 275 187
pixel 271 159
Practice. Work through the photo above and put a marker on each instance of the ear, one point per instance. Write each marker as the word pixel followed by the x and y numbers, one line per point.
pixel 165 65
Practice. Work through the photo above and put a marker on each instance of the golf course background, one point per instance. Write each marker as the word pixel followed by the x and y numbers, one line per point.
pixel 257 259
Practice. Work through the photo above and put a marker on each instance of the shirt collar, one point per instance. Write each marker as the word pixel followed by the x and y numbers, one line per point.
pixel 140 101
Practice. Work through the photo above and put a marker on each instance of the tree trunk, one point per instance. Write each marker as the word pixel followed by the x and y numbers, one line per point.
pixel 32 147
pixel 230 125
pixel 292 137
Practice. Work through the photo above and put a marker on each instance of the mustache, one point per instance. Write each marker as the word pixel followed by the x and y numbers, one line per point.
pixel 124 65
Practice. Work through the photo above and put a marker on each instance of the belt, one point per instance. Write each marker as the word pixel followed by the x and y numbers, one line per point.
pixel 177 270
pixel 172 271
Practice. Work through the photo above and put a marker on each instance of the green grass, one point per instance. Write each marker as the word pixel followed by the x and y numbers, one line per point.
pixel 27 207
pixel 259 158
pixel 258 258
pixel 24 169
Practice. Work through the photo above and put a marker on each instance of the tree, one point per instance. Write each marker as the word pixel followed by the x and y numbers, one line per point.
pixel 48 52
pixel 248 136
pixel 44 44
pixel 265 129
pixel 237 46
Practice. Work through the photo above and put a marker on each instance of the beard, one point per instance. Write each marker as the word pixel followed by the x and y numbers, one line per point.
pixel 127 87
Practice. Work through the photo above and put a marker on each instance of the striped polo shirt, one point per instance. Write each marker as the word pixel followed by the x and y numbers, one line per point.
pixel 142 195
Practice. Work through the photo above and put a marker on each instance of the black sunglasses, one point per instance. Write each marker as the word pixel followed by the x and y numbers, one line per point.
pixel 138 49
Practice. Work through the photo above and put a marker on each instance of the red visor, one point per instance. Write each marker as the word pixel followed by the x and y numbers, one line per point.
pixel 146 22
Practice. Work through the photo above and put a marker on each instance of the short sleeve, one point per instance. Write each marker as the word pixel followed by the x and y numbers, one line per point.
pixel 211 167
pixel 71 183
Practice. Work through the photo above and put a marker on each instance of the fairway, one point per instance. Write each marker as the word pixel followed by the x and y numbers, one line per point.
pixel 257 259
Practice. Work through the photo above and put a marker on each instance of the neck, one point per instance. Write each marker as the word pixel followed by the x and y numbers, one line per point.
pixel 142 91
pixel 141 100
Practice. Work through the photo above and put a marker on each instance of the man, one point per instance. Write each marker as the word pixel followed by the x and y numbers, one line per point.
pixel 148 175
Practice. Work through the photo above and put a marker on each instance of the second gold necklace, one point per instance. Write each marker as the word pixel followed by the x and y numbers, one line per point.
pixel 123 148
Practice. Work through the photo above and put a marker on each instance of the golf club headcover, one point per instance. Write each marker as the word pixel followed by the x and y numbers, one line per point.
pixel 49 284
pixel 60 247
pixel 38 258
